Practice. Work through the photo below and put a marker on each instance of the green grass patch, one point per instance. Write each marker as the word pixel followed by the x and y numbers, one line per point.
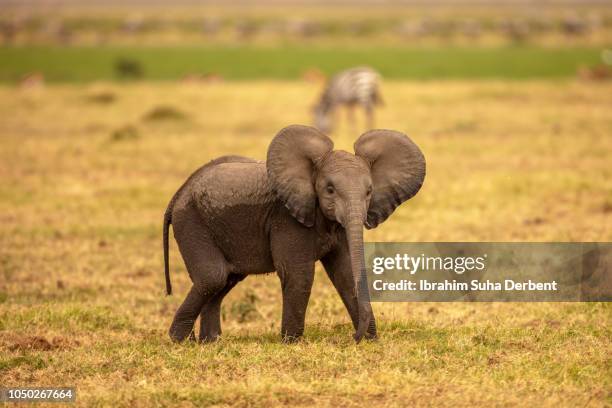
pixel 67 64
pixel 31 361
pixel 69 317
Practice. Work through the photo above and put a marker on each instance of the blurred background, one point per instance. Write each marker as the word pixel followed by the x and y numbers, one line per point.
pixel 106 107
pixel 92 40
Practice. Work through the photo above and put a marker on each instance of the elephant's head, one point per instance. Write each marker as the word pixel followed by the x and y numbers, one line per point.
pixel 352 189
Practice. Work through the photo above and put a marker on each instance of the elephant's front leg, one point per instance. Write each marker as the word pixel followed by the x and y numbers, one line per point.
pixel 293 252
pixel 296 281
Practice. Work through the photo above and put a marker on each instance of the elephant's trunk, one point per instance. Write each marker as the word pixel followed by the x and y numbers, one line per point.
pixel 354 236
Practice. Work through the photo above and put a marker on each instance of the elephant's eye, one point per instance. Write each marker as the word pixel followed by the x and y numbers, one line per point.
pixel 369 192
pixel 330 189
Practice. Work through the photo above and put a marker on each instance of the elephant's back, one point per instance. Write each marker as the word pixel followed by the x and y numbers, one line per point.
pixel 232 184
pixel 234 201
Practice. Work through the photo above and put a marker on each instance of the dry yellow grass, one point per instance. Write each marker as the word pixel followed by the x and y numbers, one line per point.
pixel 86 178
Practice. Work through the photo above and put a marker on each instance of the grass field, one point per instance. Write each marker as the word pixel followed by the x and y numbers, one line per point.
pixel 87 171
pixel 67 64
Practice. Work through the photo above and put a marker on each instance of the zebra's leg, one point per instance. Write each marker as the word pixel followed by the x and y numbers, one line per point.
pixel 350 115
pixel 369 111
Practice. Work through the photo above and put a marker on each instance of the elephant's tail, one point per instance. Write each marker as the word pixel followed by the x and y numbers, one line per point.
pixel 167 222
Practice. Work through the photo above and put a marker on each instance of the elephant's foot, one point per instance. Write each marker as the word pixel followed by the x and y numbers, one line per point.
pixel 179 331
pixel 367 336
pixel 209 338
pixel 291 338
pixel 371 336
pixel 186 315
pixel 371 333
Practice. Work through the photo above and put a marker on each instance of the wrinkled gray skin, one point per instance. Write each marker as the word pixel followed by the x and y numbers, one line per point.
pixel 236 216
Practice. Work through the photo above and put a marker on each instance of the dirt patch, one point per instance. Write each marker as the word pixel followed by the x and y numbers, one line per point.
pixel 139 273
pixel 32 80
pixel 314 75
pixel 493 360
pixel 127 132
pixel 202 78
pixel 536 323
pixel 101 97
pixel 164 113
pixel 37 343
pixel 595 73
pixel 534 221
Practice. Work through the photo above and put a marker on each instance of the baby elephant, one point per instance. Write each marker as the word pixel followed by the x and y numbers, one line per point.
pixel 236 216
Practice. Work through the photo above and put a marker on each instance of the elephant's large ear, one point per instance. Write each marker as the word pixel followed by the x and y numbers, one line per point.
pixel 291 162
pixel 398 169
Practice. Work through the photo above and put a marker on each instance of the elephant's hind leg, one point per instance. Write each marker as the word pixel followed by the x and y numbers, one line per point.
pixel 210 316
pixel 184 319
pixel 207 267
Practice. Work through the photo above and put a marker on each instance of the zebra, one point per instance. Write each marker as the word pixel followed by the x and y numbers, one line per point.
pixel 354 86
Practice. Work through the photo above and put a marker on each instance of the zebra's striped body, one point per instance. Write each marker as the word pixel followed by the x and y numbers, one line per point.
pixel 355 86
